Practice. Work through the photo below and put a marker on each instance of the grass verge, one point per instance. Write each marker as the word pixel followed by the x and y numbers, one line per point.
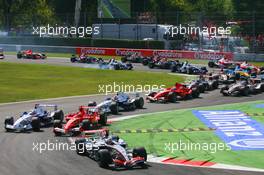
pixel 26 82
pixel 155 142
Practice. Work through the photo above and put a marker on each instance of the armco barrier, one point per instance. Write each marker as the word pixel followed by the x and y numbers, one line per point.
pixel 248 57
pixel 150 52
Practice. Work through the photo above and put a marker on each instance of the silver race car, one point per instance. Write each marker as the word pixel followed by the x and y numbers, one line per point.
pixel 35 119
pixel 110 151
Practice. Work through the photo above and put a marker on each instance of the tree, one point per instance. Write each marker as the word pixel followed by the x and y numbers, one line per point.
pixel 24 13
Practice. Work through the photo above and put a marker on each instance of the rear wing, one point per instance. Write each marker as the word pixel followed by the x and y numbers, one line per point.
pixel 48 105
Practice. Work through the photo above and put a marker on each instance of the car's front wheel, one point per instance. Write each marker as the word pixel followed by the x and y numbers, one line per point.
pixel 104 158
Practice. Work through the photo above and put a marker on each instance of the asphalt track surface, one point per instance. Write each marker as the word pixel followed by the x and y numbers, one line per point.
pixel 67 62
pixel 18 157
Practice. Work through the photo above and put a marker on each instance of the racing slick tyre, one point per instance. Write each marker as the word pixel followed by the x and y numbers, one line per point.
pixel 223 90
pixel 103 120
pixel 141 152
pixel 57 124
pixel 262 88
pixel 215 85
pixel 9 121
pixel 151 65
pixel 114 108
pixel 139 102
pixel 104 158
pixel 195 94
pixel 35 124
pixel 116 67
pixel 123 59
pixel 19 55
pixel 129 66
pixel 211 64
pixel 189 71
pixel 132 106
pixel 58 115
pixel 245 92
pixel 145 62
pixel 86 125
pixel 80 146
pixel 92 104
pixel 172 97
pixel 73 59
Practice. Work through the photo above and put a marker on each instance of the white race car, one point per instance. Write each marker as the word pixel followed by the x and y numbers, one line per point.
pixel 35 119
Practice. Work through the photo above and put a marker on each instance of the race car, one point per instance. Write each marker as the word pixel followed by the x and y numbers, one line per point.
pixel 203 84
pixel 1 54
pixel 35 119
pixel 134 58
pixel 116 65
pixel 111 151
pixel 120 102
pixel 187 68
pixel 236 89
pixel 161 64
pixel 87 118
pixel 250 68
pixel 146 60
pixel 29 54
pixel 177 92
pixel 223 63
pixel 256 86
pixel 86 59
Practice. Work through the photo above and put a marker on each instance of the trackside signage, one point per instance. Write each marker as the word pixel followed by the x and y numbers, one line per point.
pixel 177 54
pixel 235 128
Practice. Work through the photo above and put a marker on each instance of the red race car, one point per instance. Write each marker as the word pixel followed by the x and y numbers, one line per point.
pixel 179 91
pixel 87 118
pixel 29 54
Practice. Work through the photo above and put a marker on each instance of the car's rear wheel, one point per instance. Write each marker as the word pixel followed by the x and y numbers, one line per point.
pixel 103 120
pixel 211 64
pixel 114 108
pixel 140 152
pixel 145 62
pixel 245 92
pixel 172 97
pixel 140 102
pixel 189 71
pixel 19 55
pixel 86 125
pixel 195 94
pixel 35 123
pixel 151 65
pixel 59 115
pixel 92 104
pixel 9 121
pixel 104 158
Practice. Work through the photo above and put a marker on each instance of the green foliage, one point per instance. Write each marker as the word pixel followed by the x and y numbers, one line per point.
pixel 85 42
pixel 24 13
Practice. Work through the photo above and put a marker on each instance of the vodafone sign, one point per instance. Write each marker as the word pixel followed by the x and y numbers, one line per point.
pixel 177 54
